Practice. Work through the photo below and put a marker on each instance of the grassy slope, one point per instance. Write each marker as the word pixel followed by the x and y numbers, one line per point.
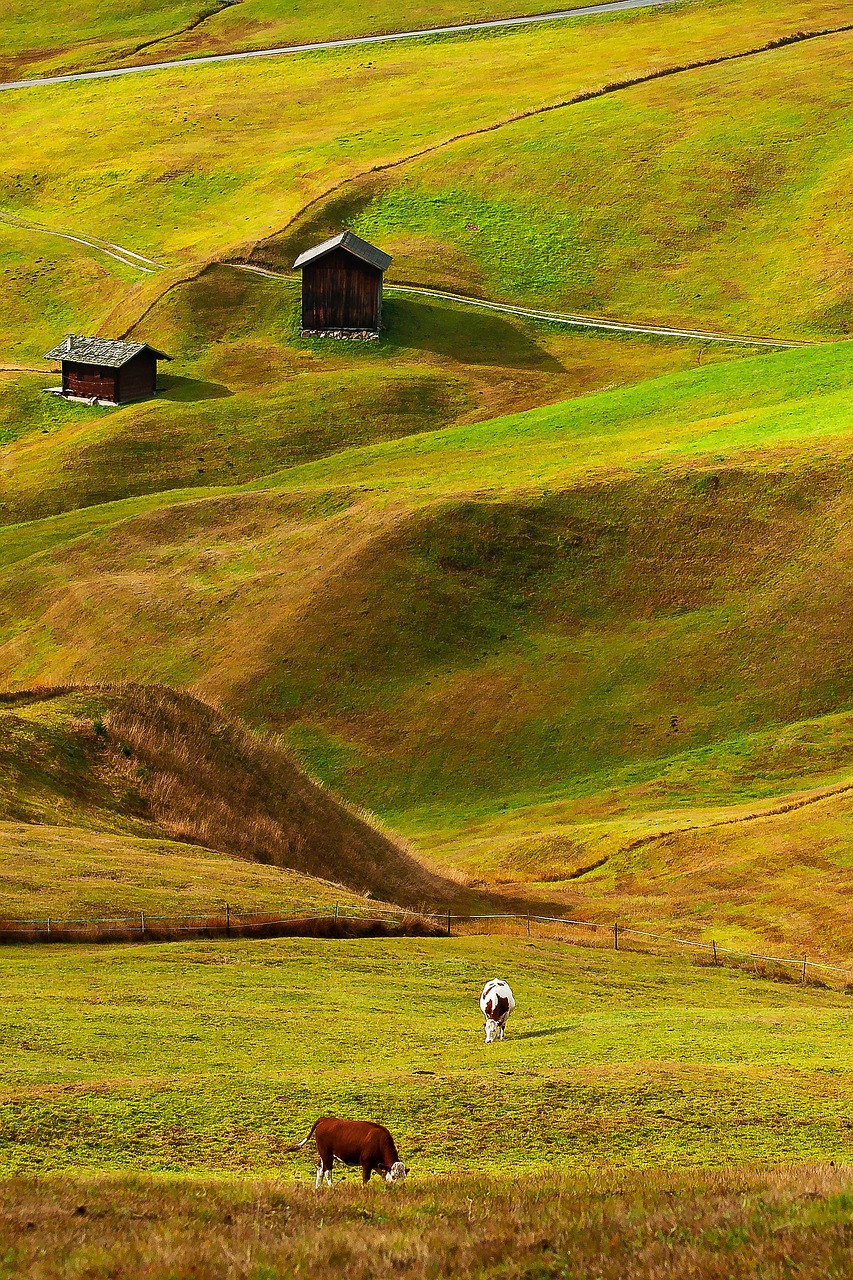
pixel 91 777
pixel 603 578
pixel 192 1058
pixel 439 657
pixel 720 206
pixel 171 145
pixel 251 397
pixel 75 872
pixel 127 34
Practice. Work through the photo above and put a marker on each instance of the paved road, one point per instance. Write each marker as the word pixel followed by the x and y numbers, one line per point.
pixel 560 15
pixel 562 317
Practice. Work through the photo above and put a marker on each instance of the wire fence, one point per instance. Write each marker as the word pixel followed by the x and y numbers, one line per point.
pixel 625 937
pixel 340 920
pixel 344 920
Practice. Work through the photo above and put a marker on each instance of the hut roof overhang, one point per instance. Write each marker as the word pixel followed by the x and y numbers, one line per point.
pixel 108 353
pixel 353 244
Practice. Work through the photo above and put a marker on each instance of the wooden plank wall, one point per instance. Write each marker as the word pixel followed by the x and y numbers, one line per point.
pixel 138 378
pixel 341 292
pixel 89 380
pixel 134 381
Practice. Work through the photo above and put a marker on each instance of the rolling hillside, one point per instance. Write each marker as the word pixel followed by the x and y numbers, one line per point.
pixel 167 174
pixel 656 202
pixel 540 598
pixel 122 34
pixel 117 784
pixel 526 668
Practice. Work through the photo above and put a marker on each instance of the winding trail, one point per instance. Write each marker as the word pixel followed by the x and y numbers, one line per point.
pixel 561 317
pixel 759 815
pixel 126 256
pixel 560 15
pixel 598 322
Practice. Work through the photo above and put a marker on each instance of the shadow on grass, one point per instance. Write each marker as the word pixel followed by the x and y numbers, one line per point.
pixel 465 334
pixel 187 390
pixel 536 1035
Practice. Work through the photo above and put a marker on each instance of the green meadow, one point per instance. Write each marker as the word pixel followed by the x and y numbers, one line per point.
pixel 119 33
pixel 199 1058
pixel 435 595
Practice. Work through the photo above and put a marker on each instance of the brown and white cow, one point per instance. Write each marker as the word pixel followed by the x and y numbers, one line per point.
pixel 354 1142
pixel 497 1003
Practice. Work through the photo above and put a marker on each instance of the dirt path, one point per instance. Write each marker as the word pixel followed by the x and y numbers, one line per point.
pixel 126 256
pixel 560 317
pixel 561 15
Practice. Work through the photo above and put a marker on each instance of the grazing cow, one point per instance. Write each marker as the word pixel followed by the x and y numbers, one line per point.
pixel 497 1003
pixel 354 1142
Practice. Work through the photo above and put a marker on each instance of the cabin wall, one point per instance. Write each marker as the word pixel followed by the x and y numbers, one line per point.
pixel 341 292
pixel 89 380
pixel 134 381
pixel 138 378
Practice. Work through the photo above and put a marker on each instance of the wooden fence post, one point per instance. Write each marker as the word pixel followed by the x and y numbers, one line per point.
pixel 142 922
pixel 615 935
pixel 714 945
pixel 337 905
pixel 228 919
pixel 528 924
pixel 448 924
pixel 805 962
pixel 48 924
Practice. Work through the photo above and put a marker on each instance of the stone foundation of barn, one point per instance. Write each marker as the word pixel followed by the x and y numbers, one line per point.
pixel 349 335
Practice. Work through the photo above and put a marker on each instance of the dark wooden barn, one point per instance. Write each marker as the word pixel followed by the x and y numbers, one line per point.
pixel 106 369
pixel 342 288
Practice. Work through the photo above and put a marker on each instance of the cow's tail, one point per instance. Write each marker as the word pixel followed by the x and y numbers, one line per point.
pixel 299 1145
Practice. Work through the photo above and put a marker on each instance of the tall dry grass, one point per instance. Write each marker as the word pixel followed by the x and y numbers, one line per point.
pixel 208 780
pixel 737 1222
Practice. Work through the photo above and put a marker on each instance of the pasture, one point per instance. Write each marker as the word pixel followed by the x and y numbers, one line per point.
pixel 121 33
pixel 609 1225
pixel 200 1058
pixel 147 1095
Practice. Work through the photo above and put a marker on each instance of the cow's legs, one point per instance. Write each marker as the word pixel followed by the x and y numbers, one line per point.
pixel 365 1173
pixel 319 1177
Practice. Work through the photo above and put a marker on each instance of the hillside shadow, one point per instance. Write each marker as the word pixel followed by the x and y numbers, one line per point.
pixel 188 390
pixel 464 334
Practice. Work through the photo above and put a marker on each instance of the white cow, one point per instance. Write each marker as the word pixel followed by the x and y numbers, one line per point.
pixel 497 1003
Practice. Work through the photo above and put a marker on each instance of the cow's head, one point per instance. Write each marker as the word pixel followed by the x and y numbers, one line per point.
pixel 492 1030
pixel 397 1172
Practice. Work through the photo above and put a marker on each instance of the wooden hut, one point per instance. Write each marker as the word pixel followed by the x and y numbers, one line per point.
pixel 106 369
pixel 342 288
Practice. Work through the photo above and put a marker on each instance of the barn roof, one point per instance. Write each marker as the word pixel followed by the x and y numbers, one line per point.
pixel 353 244
pixel 109 353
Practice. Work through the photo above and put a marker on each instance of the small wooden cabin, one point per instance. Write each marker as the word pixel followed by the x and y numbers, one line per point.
pixel 106 369
pixel 342 288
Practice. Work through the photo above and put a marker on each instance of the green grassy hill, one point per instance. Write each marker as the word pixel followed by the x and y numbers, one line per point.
pixel 168 173
pixel 713 199
pixel 105 791
pixel 122 34
pixel 528 642
pixel 532 595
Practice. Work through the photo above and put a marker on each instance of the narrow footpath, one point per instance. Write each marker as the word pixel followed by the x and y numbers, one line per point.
pixel 560 15
pixel 563 317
